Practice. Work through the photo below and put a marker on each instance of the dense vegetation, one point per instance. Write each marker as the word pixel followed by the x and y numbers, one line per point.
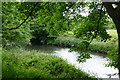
pixel 69 40
pixel 19 63
pixel 58 24
pixel 108 48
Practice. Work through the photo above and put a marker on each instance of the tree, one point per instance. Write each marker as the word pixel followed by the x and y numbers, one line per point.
pixel 114 13
pixel 10 18
pixel 113 10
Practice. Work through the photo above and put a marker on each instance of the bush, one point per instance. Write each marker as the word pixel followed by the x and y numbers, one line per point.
pixel 32 64
pixel 67 41
pixel 107 46
pixel 41 35
pixel 96 45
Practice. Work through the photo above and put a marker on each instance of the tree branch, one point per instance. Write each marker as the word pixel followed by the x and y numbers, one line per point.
pixel 25 18
pixel 98 23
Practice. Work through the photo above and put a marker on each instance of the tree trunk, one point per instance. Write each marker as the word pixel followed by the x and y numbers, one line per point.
pixel 118 31
pixel 114 13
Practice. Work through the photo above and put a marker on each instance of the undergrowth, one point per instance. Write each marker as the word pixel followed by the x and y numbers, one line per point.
pixel 19 63
pixel 69 40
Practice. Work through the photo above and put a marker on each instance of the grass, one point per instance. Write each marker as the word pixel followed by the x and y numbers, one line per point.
pixel 109 45
pixel 68 40
pixel 104 46
pixel 19 63
pixel 109 48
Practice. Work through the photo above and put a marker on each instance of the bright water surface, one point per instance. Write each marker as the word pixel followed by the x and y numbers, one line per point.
pixel 94 66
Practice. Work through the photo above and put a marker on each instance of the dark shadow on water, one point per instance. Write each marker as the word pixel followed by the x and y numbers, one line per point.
pixel 43 48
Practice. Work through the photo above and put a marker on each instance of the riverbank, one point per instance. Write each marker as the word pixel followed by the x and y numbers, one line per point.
pixel 95 66
pixel 97 46
pixel 32 64
pixel 20 63
pixel 108 48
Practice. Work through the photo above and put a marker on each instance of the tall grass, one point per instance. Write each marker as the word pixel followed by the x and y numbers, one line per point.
pixel 69 40
pixel 19 63
pixel 104 46
pixel 109 45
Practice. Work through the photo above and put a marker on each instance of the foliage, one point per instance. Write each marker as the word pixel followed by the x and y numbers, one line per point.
pixel 18 63
pixel 66 41
pixel 113 55
pixel 11 17
pixel 49 20
pixel 40 35
pixel 87 27
pixel 44 23
pixel 83 56
pixel 91 27
pixel 109 45
pixel 69 40
pixel 110 25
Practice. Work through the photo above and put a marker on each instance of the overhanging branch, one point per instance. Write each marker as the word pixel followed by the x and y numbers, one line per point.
pixel 98 24
pixel 25 18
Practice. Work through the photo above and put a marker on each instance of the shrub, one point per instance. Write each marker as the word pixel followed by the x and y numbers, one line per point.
pixel 32 64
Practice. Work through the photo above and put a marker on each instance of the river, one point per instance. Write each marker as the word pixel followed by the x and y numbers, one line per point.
pixel 94 66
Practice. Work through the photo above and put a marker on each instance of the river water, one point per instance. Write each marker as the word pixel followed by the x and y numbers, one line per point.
pixel 94 66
